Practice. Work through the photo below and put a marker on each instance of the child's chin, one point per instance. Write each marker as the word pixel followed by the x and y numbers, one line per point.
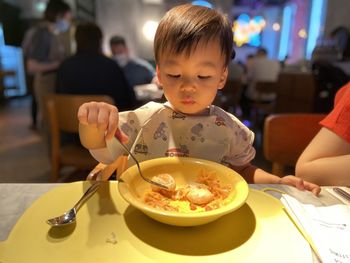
pixel 194 112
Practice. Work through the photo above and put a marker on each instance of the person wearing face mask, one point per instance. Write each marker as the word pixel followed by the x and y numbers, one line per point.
pixel 45 46
pixel 137 71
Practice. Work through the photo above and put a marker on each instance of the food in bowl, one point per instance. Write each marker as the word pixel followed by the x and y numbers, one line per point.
pixel 185 171
pixel 166 180
pixel 204 194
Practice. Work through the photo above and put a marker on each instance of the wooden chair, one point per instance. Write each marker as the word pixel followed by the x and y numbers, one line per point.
pixel 296 93
pixel 62 115
pixel 286 136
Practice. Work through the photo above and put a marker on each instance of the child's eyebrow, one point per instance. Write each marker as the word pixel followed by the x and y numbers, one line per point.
pixel 207 64
pixel 202 63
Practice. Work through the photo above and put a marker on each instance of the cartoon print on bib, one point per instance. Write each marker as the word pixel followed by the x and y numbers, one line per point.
pixel 176 115
pixel 126 128
pixel 141 147
pixel 219 121
pixel 178 152
pixel 160 132
pixel 196 131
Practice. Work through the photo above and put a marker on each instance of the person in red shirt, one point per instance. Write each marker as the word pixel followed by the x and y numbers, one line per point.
pixel 326 160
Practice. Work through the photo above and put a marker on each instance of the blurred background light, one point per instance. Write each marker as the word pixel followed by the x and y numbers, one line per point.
pixel 149 29
pixel 276 27
pixel 285 31
pixel 248 30
pixel 302 33
pixel 153 2
pixel 316 23
pixel 202 3
pixel 40 6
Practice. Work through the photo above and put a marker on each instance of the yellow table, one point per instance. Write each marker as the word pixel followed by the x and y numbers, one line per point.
pixel 109 230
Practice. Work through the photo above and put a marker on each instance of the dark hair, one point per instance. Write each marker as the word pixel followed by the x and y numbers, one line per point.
pixel 55 8
pixel 88 37
pixel 117 40
pixel 184 26
pixel 342 36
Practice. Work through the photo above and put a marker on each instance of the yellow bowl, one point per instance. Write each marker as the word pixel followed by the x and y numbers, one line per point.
pixel 185 171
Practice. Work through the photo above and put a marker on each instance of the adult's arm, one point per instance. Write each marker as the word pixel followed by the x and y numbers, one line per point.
pixel 326 160
pixel 35 66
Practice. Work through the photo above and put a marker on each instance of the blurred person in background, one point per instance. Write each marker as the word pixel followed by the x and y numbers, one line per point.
pixel 44 50
pixel 331 69
pixel 29 77
pixel 137 71
pixel 90 72
pixel 261 69
pixel 244 101
pixel 235 71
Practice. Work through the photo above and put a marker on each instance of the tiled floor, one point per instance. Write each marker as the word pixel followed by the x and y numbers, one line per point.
pixel 23 155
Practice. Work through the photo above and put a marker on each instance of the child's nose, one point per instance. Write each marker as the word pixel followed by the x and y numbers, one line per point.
pixel 188 84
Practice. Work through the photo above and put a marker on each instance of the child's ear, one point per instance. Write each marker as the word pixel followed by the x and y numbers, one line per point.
pixel 158 76
pixel 223 78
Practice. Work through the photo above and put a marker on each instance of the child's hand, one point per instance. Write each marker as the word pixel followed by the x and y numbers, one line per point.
pixel 300 184
pixel 101 115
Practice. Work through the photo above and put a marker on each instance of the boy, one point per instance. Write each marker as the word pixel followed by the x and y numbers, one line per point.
pixel 193 46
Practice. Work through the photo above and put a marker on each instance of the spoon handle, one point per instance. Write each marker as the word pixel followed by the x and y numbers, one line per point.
pixel 92 189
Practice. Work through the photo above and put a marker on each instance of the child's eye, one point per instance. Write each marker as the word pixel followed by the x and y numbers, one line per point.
pixel 203 77
pixel 174 76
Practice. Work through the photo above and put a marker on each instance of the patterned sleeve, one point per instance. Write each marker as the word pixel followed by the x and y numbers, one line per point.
pixel 130 123
pixel 241 150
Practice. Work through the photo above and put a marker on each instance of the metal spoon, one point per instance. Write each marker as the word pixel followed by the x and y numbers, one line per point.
pixel 70 216
pixel 138 167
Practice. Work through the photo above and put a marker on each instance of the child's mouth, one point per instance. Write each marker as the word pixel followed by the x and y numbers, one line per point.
pixel 188 101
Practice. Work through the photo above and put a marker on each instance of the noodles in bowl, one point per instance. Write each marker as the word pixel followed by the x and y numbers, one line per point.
pixel 204 190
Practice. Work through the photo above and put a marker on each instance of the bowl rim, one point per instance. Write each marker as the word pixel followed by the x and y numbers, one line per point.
pixel 228 208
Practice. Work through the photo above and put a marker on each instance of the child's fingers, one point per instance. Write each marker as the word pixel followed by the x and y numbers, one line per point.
pixel 121 136
pixel 103 119
pixel 293 181
pixel 314 188
pixel 101 114
pixel 113 120
pixel 82 114
pixel 92 113
pixel 299 183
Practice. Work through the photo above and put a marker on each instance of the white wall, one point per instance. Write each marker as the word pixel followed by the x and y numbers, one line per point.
pixel 126 18
pixel 337 15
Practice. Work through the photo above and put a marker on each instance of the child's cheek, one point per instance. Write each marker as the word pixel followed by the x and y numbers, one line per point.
pixel 171 81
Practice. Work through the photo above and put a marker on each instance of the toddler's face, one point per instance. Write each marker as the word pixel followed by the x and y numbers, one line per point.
pixel 190 82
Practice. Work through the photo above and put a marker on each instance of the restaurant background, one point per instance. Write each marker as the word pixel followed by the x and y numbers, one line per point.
pixel 289 30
